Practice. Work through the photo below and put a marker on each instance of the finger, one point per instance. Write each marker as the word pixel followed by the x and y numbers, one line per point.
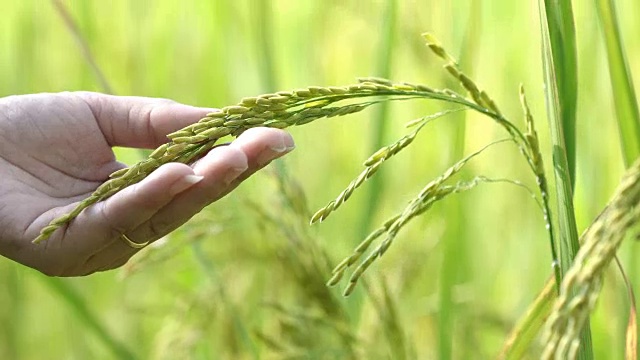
pixel 124 212
pixel 138 121
pixel 98 264
pixel 223 164
pixel 134 205
pixel 257 146
pixel 114 265
pixel 221 170
pixel 131 207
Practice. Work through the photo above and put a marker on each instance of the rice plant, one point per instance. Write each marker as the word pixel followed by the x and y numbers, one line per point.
pixel 302 106
pixel 318 319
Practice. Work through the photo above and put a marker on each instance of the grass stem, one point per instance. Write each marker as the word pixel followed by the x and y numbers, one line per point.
pixel 83 313
pixel 559 59
pixel 380 122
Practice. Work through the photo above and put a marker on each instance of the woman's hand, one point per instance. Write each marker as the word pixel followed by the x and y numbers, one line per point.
pixel 55 150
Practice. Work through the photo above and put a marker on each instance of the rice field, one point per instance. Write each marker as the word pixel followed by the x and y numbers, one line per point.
pixel 246 278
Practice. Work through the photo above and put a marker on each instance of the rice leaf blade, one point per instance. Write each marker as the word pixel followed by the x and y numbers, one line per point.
pixel 626 107
pixel 626 103
pixel 559 59
pixel 524 333
pixel 561 39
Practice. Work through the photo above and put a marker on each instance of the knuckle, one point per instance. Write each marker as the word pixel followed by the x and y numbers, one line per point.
pixel 158 229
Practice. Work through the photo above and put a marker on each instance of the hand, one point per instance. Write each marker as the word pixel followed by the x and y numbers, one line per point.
pixel 55 149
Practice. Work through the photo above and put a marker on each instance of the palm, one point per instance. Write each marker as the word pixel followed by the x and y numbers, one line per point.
pixel 54 153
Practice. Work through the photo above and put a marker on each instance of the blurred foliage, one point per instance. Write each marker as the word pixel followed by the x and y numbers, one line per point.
pixel 244 279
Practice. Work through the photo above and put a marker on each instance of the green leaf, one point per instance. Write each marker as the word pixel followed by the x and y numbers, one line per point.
pixel 624 96
pixel 526 330
pixel 561 36
pixel 559 59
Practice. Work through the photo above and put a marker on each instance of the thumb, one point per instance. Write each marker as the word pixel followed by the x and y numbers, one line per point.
pixel 139 122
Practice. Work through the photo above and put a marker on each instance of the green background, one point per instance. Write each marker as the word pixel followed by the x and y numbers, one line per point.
pixel 230 284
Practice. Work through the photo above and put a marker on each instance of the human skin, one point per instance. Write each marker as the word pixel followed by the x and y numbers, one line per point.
pixel 56 149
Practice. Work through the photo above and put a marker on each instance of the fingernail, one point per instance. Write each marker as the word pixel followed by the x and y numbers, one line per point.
pixel 184 183
pixel 233 174
pixel 289 143
pixel 285 146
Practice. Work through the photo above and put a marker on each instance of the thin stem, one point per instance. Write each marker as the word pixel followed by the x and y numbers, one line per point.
pixel 83 312
pixel 83 44
pixel 381 120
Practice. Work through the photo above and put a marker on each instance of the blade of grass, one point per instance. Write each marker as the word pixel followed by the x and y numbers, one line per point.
pixel 73 28
pixel 628 118
pixel 562 51
pixel 624 96
pixel 559 59
pixel 454 263
pixel 390 322
pixel 83 313
pixel 528 327
pixel 209 270
pixel 380 121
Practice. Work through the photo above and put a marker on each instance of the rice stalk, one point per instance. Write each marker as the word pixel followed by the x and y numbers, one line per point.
pixel 581 285
pixel 433 192
pixel 527 143
pixel 302 106
pixel 277 110
pixel 480 97
pixel 533 143
pixel 526 329
pixel 319 321
pixel 387 308
pixel 393 225
pixel 373 163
